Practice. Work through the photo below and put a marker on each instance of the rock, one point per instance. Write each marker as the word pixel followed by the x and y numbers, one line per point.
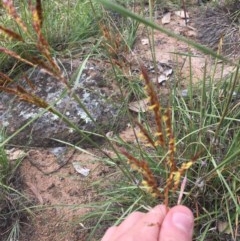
pixel 92 91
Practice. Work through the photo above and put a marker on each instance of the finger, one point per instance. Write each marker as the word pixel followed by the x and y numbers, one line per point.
pixel 146 228
pixel 150 224
pixel 109 234
pixel 177 225
pixel 129 222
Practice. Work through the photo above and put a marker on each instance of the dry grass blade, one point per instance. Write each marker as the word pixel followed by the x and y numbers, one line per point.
pixel 24 95
pixel 174 178
pixel 8 5
pixel 155 106
pixel 30 98
pixel 54 72
pixel 4 79
pixel 11 34
pixel 149 181
pixel 15 55
pixel 42 44
pixel 171 141
pixel 184 182
pixel 29 82
pixel 113 41
pixel 39 12
pixel 144 132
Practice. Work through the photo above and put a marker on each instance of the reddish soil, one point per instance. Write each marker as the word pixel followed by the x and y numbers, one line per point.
pixel 60 195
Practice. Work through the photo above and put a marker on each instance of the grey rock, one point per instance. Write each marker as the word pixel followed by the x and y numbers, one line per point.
pixel 90 88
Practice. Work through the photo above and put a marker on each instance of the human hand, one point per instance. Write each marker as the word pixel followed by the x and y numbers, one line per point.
pixel 156 225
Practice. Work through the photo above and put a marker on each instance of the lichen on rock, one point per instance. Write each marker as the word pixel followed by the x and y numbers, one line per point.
pixel 14 114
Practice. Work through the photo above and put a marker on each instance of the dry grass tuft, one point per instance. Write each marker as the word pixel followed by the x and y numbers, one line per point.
pixel 164 138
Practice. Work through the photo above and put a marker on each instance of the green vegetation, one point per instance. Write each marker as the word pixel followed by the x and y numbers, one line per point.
pixel 66 26
pixel 200 127
pixel 13 204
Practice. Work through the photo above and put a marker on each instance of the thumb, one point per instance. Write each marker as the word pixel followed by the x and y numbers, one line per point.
pixel 177 225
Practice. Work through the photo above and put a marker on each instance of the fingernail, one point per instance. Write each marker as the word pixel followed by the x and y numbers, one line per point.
pixel 183 221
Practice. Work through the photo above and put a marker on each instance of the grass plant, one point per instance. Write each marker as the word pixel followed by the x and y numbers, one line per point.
pixel 65 27
pixel 13 204
pixel 201 114
pixel 195 137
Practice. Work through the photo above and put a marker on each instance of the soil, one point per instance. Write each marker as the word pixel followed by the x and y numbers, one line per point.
pixel 61 193
pixel 52 183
